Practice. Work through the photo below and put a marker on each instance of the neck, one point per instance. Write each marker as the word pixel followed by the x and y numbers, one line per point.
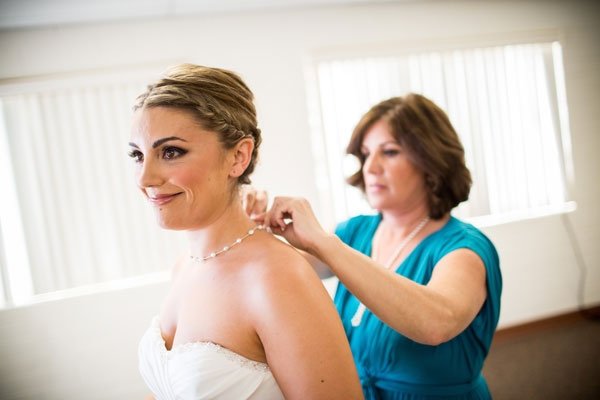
pixel 228 225
pixel 404 220
pixel 401 229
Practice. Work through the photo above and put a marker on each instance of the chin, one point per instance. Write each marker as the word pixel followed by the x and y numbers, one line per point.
pixel 169 224
pixel 376 202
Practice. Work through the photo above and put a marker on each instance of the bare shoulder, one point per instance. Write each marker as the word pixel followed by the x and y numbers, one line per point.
pixel 276 265
pixel 297 324
pixel 277 279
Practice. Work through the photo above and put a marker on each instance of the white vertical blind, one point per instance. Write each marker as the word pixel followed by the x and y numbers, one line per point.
pixel 502 100
pixel 83 219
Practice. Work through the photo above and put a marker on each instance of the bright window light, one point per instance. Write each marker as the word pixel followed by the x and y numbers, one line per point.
pixel 507 104
pixel 70 213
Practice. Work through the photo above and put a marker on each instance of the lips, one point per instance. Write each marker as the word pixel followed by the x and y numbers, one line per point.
pixel 375 187
pixel 162 199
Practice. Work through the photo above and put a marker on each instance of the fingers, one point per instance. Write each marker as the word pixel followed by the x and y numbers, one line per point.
pixel 272 217
pixel 281 213
pixel 248 196
pixel 260 203
pixel 278 231
pixel 259 218
pixel 254 202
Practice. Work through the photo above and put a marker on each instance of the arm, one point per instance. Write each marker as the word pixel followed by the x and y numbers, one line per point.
pixel 322 269
pixel 428 314
pixel 254 203
pixel 301 333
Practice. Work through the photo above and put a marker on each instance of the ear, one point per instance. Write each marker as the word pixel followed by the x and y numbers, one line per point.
pixel 242 154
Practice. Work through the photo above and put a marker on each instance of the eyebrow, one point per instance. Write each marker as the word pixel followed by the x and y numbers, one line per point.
pixel 383 144
pixel 159 141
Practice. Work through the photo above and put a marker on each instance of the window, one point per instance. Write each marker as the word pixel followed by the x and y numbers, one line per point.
pixel 70 214
pixel 506 102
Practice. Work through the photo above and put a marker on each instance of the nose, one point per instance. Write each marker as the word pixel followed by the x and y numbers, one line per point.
pixel 371 164
pixel 148 174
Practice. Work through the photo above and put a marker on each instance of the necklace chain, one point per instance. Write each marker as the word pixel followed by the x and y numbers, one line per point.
pixel 237 241
pixel 406 241
pixel 360 311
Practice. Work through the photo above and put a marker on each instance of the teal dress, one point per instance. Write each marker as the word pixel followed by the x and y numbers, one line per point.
pixel 392 366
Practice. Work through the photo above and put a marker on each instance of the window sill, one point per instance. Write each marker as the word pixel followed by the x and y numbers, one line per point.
pixel 103 287
pixel 516 216
pixel 330 284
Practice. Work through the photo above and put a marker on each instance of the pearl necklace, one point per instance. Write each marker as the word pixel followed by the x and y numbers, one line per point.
pixel 406 240
pixel 357 318
pixel 237 241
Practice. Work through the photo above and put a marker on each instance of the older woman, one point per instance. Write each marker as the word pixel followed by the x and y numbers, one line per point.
pixel 246 317
pixel 419 292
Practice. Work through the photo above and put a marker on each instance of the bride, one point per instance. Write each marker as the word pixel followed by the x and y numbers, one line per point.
pixel 245 317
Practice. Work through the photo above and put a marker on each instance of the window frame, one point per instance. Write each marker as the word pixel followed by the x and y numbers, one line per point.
pixel 15 267
pixel 323 174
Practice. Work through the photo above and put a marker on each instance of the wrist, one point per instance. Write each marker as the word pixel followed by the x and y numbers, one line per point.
pixel 324 246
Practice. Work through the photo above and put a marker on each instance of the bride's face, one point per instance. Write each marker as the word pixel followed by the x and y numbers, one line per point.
pixel 181 168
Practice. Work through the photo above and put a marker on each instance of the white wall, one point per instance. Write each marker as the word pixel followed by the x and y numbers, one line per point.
pixel 84 347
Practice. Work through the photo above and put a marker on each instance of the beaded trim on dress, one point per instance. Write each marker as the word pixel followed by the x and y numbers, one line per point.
pixel 186 347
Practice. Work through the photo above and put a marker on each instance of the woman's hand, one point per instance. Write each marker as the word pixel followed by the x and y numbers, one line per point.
pixel 294 219
pixel 254 202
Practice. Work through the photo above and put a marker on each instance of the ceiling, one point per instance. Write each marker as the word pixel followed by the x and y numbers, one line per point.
pixel 38 13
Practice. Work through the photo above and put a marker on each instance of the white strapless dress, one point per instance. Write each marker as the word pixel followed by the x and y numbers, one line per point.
pixel 201 370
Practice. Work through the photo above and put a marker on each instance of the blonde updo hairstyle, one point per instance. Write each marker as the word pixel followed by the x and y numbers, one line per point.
pixel 217 98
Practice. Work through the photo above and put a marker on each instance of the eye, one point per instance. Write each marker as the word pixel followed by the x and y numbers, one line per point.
pixel 170 153
pixel 136 155
pixel 390 152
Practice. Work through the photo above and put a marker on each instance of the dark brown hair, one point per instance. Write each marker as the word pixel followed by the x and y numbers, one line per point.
pixel 425 132
pixel 218 99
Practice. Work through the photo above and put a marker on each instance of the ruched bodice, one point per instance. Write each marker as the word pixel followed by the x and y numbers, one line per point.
pixel 201 370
